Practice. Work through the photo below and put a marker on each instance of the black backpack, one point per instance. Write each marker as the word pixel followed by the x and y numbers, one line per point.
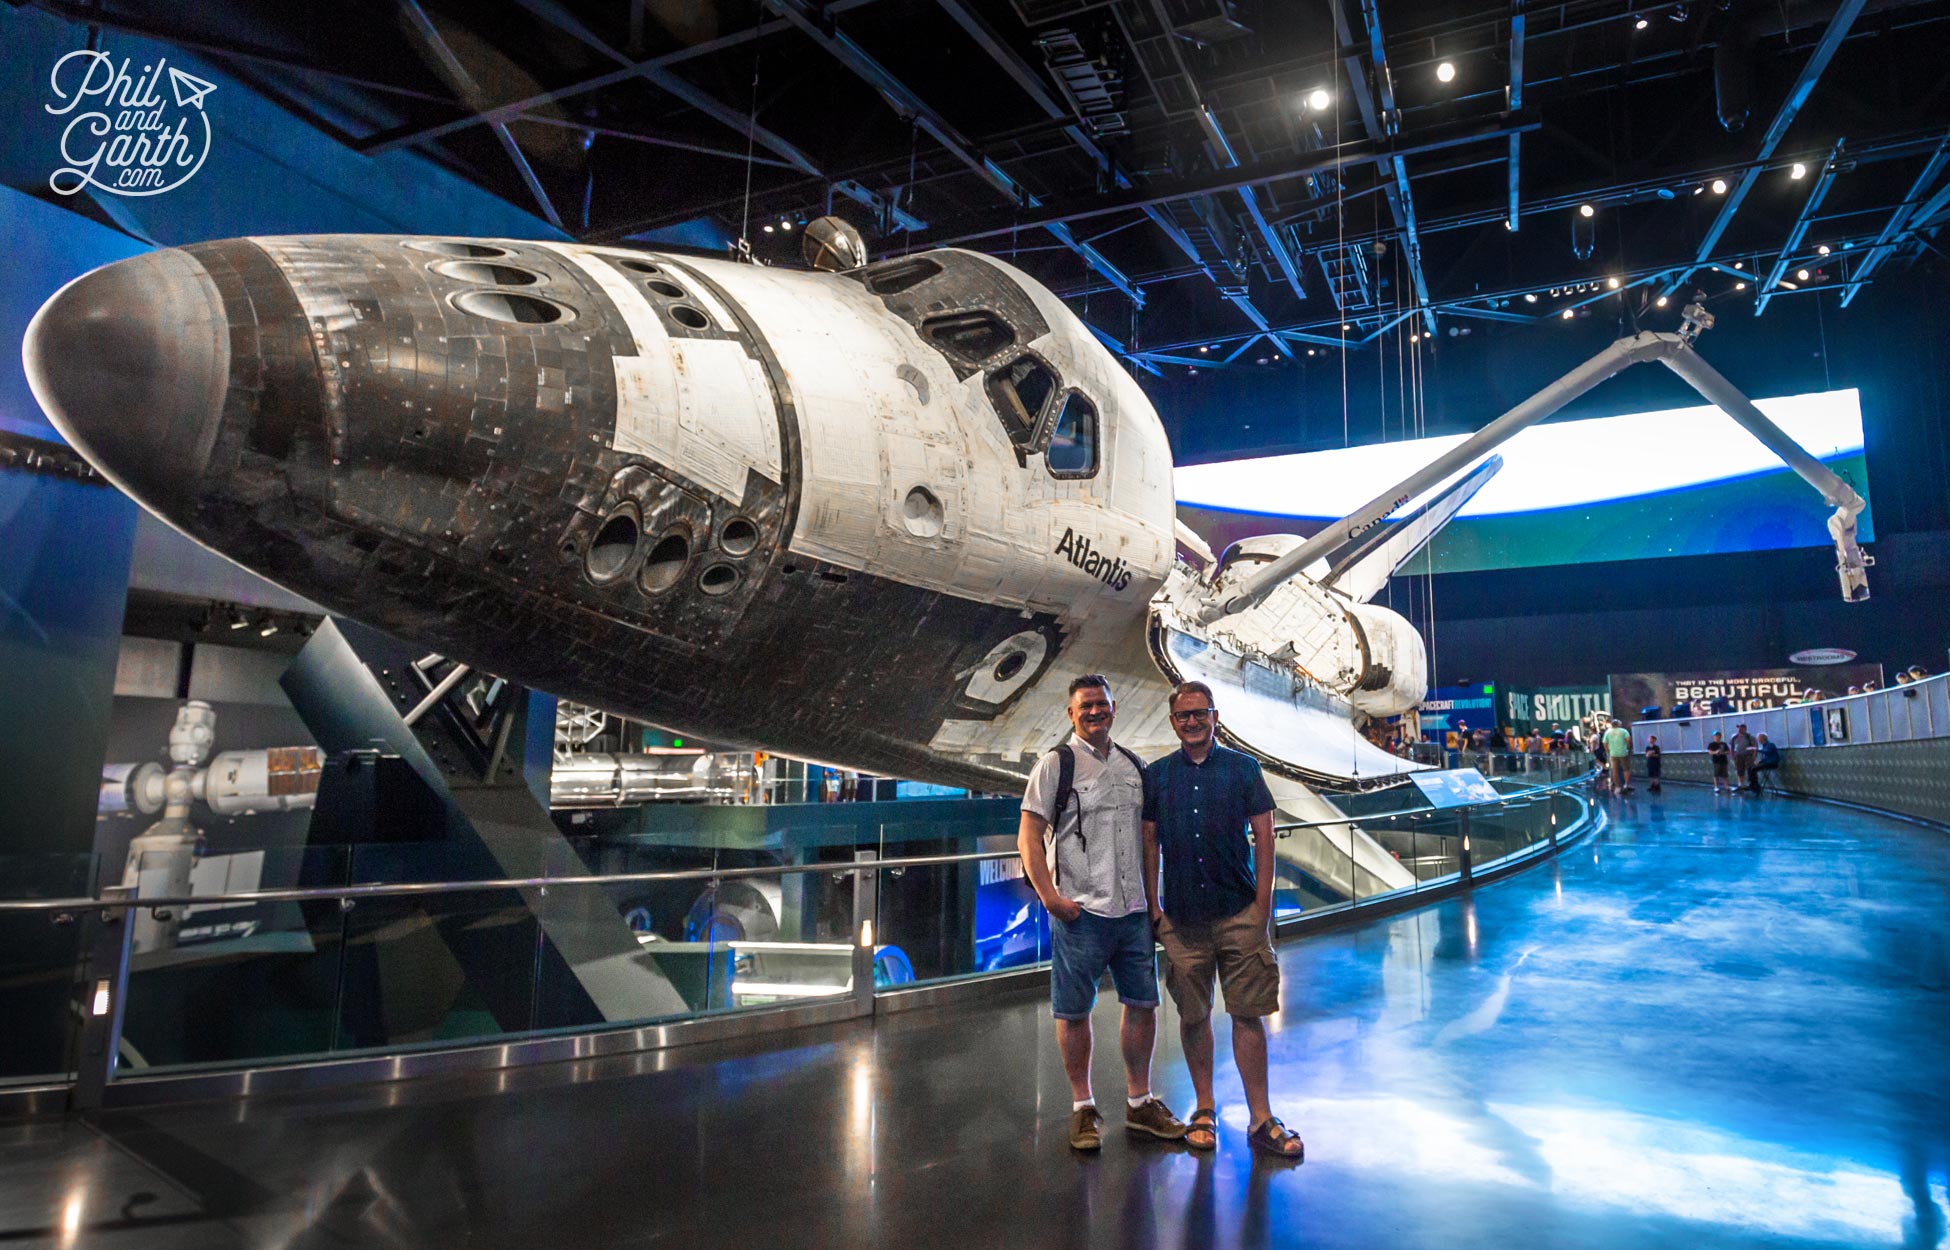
pixel 1066 776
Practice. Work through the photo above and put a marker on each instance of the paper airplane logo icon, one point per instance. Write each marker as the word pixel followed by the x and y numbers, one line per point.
pixel 189 89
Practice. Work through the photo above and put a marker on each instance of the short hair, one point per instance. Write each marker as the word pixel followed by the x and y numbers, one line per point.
pixel 1088 680
pixel 1184 688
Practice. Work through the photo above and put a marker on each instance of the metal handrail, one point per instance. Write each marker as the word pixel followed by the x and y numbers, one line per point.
pixel 407 889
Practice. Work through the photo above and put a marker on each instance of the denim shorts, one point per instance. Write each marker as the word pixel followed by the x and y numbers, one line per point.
pixel 1081 949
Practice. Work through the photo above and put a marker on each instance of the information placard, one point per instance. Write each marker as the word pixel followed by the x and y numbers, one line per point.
pixel 1455 787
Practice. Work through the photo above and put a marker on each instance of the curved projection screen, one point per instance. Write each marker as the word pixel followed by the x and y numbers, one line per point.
pixel 1681 482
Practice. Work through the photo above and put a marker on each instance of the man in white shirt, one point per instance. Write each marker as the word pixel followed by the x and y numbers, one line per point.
pixel 1083 854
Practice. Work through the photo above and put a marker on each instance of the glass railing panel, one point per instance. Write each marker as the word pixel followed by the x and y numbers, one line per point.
pixel 949 921
pixel 1313 871
pixel 1937 693
pixel 442 967
pixel 40 958
pixel 777 940
pixel 938 922
pixel 225 984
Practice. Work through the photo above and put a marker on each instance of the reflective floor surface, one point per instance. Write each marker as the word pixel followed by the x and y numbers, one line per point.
pixel 1723 1022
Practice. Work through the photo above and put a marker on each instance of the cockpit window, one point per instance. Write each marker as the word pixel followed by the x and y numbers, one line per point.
pixel 1072 448
pixel 1019 390
pixel 972 337
pixel 891 277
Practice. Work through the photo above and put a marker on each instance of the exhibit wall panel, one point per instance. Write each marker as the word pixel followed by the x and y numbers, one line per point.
pixel 1910 778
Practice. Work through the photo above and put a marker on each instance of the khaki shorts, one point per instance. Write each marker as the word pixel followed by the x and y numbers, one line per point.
pixel 1238 948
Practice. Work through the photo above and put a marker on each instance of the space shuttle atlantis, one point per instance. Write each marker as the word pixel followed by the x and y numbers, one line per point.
pixel 878 517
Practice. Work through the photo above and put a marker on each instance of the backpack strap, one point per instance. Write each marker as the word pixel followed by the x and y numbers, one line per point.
pixel 1066 778
pixel 1144 775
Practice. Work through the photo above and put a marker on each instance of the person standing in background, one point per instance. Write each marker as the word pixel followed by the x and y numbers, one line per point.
pixel 1618 750
pixel 1744 752
pixel 1717 749
pixel 1653 763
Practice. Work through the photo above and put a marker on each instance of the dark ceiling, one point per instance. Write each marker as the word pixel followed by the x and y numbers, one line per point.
pixel 1158 162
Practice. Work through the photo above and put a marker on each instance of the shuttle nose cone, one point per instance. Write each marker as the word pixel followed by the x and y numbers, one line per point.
pixel 131 363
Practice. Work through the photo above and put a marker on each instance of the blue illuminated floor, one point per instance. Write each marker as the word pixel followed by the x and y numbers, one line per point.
pixel 1725 1022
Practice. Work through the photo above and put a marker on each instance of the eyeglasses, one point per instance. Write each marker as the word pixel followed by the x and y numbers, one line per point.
pixel 1193 714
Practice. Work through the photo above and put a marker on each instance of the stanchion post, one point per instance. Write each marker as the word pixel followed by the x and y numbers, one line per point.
pixel 866 913
pixel 103 996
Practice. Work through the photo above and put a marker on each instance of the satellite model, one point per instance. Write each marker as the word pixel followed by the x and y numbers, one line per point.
pixel 874 514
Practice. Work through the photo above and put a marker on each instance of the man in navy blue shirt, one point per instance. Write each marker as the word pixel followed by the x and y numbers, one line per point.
pixel 1216 912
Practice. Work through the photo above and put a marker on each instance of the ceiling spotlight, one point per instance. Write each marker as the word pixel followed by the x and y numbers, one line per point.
pixel 1346 326
pixel 269 627
pixel 237 619
pixel 1719 186
pixel 1568 314
pixel 1192 370
pixel 1310 351
pixel 1801 274
pixel 1740 286
pixel 1785 285
pixel 1585 210
pixel 1318 99
pixel 1205 349
pixel 1445 72
pixel 1822 250
pixel 1660 302
pixel 1415 338
pixel 1641 24
pixel 1612 283
pixel 1697 190
pixel 1798 171
pixel 1259 360
pixel 1530 297
pixel 768 229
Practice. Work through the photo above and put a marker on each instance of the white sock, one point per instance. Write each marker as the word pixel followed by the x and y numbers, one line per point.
pixel 1140 1100
pixel 1081 1103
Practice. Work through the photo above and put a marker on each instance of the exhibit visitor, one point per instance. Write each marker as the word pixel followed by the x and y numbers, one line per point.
pixel 1654 763
pixel 1214 909
pixel 1767 759
pixel 1618 751
pixel 1744 749
pixel 1718 750
pixel 1081 851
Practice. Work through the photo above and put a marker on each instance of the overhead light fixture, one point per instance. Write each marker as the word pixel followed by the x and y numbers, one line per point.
pixel 1530 297
pixel 1568 314
pixel 1415 338
pixel 1640 24
pixel 1801 274
pixel 237 619
pixel 1697 190
pixel 1612 283
pixel 785 225
pixel 1204 348
pixel 1585 210
pixel 1259 360
pixel 1740 286
pixel 1719 186
pixel 1660 302
pixel 1192 370
pixel 1346 326
pixel 1785 285
pixel 1310 351
pixel 1822 250
pixel 1739 264
pixel 268 628
pixel 768 229
pixel 1318 99
pixel 1798 171
pixel 1445 72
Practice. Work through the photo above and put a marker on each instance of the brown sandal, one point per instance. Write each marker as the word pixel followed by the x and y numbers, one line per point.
pixel 1204 1120
pixel 1274 1138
